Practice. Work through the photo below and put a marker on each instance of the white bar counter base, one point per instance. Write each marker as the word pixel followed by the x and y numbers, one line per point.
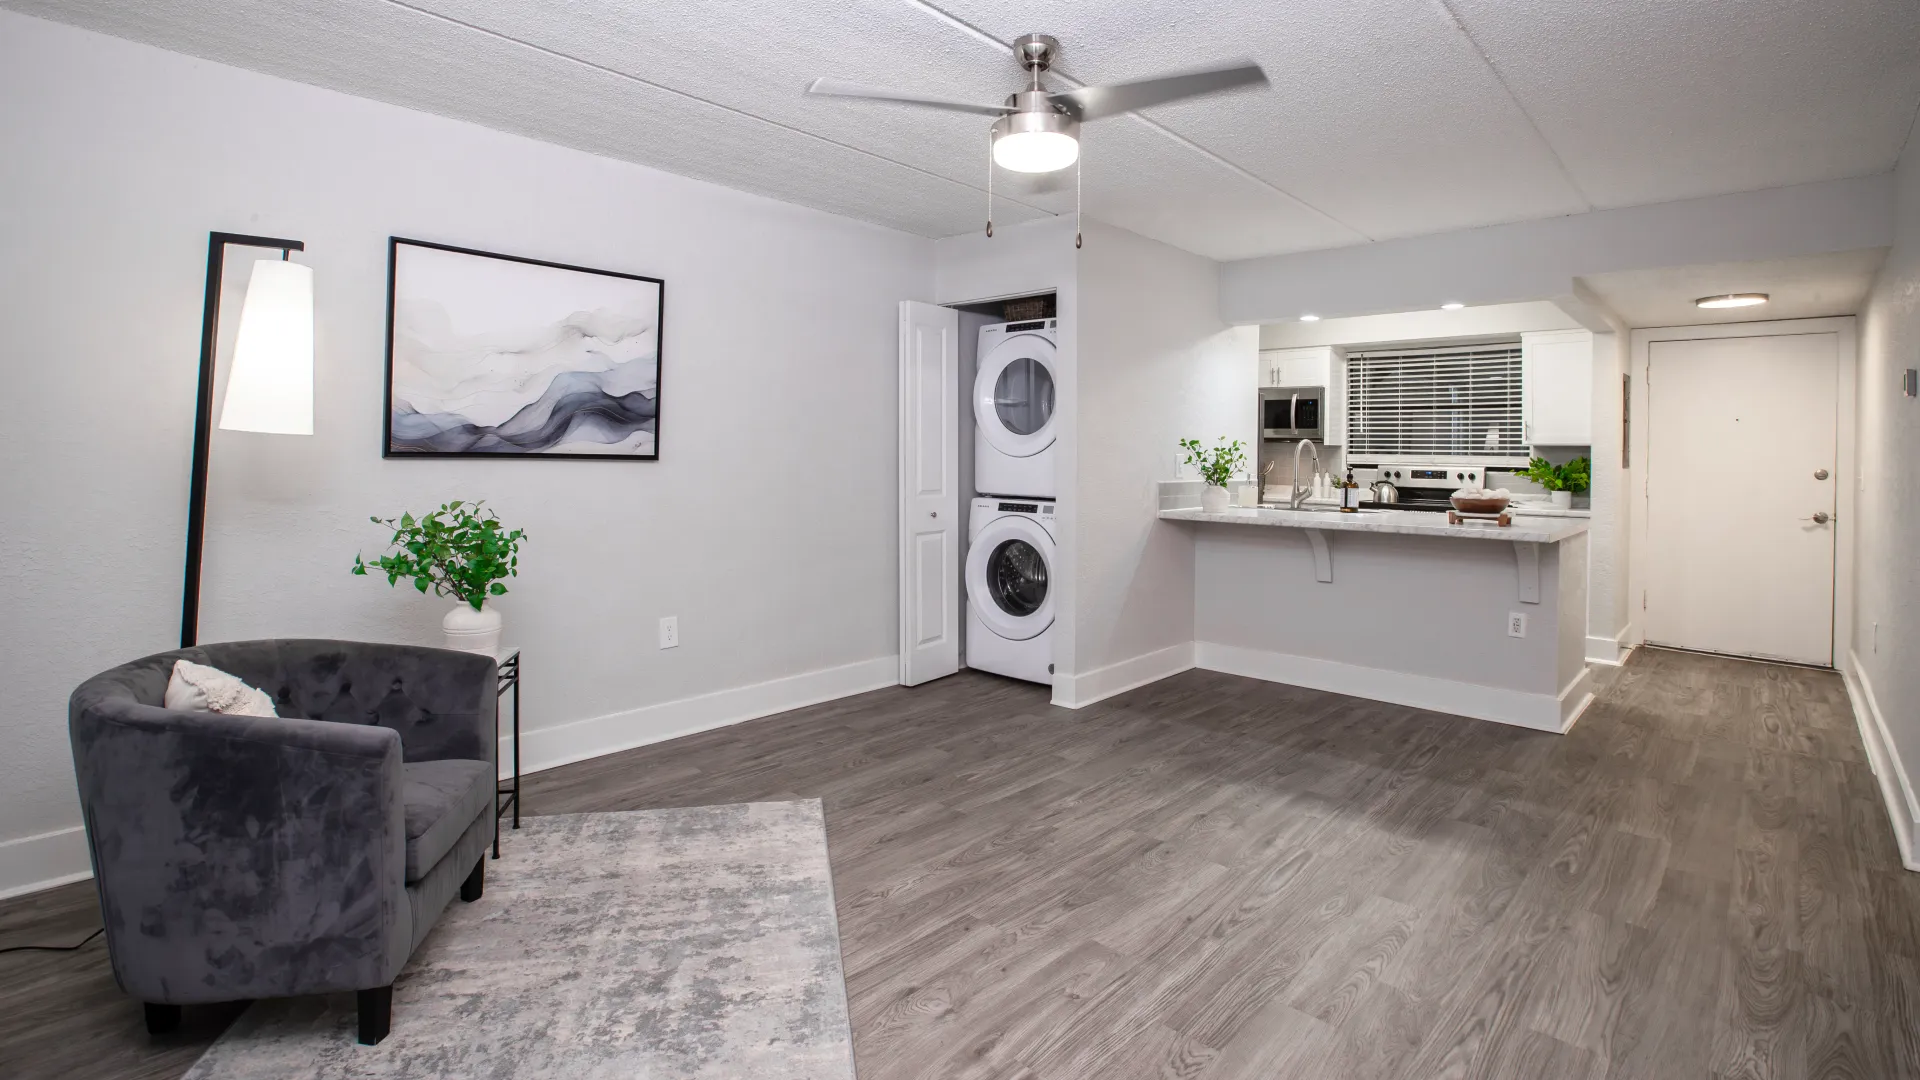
pixel 1397 606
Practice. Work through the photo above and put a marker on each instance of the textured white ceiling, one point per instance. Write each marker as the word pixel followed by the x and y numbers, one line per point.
pixel 1805 288
pixel 1387 118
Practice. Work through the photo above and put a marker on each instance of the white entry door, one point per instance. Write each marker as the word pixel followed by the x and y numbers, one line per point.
pixel 1741 487
pixel 929 492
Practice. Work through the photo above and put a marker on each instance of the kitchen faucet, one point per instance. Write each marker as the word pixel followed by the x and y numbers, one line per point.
pixel 1298 498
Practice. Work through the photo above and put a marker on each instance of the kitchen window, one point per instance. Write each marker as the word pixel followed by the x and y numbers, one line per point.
pixel 1466 401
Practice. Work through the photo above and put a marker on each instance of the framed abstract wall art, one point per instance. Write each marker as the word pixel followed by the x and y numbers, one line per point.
pixel 499 356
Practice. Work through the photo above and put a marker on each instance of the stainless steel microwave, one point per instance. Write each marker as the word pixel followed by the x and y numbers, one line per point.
pixel 1293 412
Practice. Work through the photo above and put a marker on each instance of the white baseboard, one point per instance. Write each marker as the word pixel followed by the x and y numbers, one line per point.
pixel 1541 712
pixel 1896 787
pixel 1079 691
pixel 551 747
pixel 1575 698
pixel 1609 650
pixel 32 863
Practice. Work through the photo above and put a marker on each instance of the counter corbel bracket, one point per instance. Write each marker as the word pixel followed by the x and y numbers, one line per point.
pixel 1323 558
pixel 1526 558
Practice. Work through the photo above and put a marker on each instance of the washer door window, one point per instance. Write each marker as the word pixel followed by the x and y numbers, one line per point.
pixel 1010 577
pixel 1013 396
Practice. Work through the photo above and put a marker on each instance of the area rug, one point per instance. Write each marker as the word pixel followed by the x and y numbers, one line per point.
pixel 689 944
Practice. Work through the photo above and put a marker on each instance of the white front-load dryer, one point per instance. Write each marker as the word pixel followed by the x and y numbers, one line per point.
pixel 1010 577
pixel 1013 410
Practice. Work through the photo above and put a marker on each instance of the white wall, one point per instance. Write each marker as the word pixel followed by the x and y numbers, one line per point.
pixel 1886 632
pixel 1492 320
pixel 778 385
pixel 1156 364
pixel 1609 618
pixel 1539 259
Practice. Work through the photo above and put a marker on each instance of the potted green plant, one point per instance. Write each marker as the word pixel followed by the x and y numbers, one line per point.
pixel 1216 466
pixel 1561 481
pixel 460 550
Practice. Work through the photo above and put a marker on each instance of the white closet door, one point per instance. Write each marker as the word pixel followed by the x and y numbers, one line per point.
pixel 929 492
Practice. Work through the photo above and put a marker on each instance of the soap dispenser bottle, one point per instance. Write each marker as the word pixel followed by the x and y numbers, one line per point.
pixel 1350 494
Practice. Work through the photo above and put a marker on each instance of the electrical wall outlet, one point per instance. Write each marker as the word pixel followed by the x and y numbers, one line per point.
pixel 1516 624
pixel 670 632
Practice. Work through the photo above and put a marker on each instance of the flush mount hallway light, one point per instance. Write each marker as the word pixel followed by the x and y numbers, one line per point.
pixel 1309 318
pixel 1732 300
pixel 1037 130
pixel 1452 305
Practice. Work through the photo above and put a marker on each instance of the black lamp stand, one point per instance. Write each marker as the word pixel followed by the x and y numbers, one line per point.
pixel 203 418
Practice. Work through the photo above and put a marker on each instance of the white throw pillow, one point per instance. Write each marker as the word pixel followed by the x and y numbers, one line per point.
pixel 199 688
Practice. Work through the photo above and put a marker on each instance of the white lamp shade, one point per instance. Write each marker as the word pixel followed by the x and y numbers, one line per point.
pixel 1035 151
pixel 271 387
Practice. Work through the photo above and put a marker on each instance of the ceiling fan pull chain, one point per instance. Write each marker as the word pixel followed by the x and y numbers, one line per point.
pixel 1077 219
pixel 989 185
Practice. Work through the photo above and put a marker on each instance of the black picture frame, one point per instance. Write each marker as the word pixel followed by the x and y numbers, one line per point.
pixel 387 449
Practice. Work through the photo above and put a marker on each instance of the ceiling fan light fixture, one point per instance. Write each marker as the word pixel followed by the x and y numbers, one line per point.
pixel 1732 300
pixel 1036 141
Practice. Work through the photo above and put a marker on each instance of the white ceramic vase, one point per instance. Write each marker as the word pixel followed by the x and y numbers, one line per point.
pixel 1214 499
pixel 1562 500
pixel 468 630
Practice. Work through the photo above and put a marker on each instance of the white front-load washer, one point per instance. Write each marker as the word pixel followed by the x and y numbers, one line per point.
pixel 1013 410
pixel 1010 588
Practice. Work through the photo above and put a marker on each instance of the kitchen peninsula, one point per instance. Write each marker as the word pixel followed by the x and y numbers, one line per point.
pixel 1472 619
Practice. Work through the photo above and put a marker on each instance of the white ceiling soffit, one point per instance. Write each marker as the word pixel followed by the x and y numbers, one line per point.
pixel 1812 287
pixel 1387 118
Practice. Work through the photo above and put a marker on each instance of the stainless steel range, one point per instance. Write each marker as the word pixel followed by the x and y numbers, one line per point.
pixel 1425 485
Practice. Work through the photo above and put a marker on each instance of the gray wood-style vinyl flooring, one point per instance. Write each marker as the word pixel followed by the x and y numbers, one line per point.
pixel 1213 877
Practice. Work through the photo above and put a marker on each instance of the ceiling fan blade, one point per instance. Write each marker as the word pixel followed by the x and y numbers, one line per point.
pixel 838 88
pixel 1094 102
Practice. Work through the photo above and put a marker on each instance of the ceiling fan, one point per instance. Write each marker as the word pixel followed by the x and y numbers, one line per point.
pixel 1038 131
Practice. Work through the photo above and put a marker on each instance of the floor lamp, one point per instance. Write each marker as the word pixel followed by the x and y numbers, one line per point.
pixel 270 388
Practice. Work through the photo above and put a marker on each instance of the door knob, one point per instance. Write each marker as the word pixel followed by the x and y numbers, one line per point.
pixel 1819 474
pixel 1820 517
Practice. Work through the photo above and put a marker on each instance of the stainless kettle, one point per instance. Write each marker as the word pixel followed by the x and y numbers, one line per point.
pixel 1384 492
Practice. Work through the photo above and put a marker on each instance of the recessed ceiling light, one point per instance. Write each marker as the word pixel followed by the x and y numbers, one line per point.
pixel 1309 318
pixel 1732 300
pixel 1452 306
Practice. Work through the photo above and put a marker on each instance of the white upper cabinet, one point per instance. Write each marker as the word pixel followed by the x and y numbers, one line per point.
pixel 1559 387
pixel 1322 365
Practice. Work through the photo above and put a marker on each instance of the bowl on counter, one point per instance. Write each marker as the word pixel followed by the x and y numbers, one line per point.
pixel 1492 504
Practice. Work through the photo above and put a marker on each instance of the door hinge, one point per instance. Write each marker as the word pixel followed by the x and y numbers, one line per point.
pixel 1643 599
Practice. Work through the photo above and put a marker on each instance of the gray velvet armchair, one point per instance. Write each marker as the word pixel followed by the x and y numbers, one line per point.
pixel 240 858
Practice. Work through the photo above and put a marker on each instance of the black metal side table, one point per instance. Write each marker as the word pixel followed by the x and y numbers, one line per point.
pixel 508 795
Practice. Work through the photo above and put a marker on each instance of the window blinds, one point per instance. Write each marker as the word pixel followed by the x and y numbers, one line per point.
pixel 1463 401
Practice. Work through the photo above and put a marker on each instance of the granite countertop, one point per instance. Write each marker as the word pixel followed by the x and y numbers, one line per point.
pixel 1525 528
pixel 1518 508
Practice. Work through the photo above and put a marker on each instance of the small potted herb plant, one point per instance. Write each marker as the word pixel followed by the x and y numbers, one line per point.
pixel 460 550
pixel 1216 466
pixel 1561 481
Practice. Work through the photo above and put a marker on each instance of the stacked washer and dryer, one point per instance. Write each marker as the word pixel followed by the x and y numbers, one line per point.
pixel 1011 551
